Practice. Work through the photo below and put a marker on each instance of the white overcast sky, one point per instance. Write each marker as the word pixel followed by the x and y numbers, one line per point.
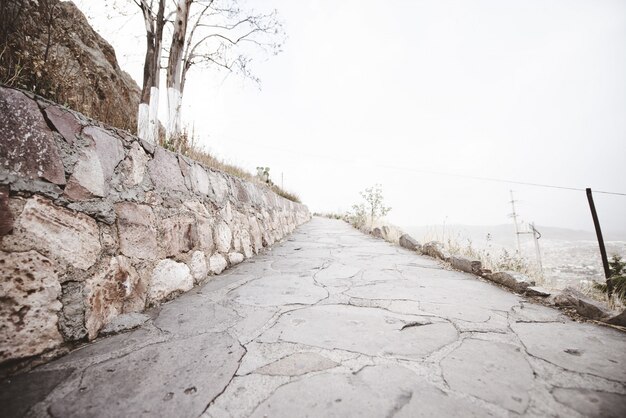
pixel 388 92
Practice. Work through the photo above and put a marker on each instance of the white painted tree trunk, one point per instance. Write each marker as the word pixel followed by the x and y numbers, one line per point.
pixel 174 101
pixel 143 121
pixel 153 134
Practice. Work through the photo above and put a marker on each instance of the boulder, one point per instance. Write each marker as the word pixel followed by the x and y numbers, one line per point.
pixel 27 146
pixel 410 243
pixel 619 319
pixel 589 308
pixel 217 264
pixel 168 277
pixel 137 230
pixel 29 290
pixel 516 281
pixel 377 233
pixel 466 265
pixel 435 250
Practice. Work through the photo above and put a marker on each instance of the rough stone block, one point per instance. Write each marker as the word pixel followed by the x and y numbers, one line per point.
pixel 27 146
pixel 218 185
pixel 235 258
pixel 409 243
pixel 515 281
pixel 165 172
pixel 199 179
pixel 64 122
pixel 204 227
pixel 96 165
pixel 133 168
pixel 255 234
pixel 537 291
pixel 217 264
pixel 223 237
pixel 137 231
pixel 107 291
pixel 178 234
pixel 72 316
pixel 57 232
pixel 88 179
pixel 572 298
pixel 618 319
pixel 466 265
pixel 28 305
pixel 435 249
pixel 198 266
pixel 169 277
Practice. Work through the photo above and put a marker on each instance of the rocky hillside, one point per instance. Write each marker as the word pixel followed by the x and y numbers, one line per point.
pixel 48 47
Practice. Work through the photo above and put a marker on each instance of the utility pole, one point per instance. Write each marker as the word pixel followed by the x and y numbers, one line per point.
pixel 514 216
pixel 605 260
pixel 536 236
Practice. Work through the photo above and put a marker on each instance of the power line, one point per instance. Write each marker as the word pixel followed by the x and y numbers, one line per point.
pixel 441 173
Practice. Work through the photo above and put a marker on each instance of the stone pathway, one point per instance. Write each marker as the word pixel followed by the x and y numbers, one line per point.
pixel 336 323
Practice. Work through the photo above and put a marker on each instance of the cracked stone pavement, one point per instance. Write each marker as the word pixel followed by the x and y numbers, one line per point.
pixel 335 323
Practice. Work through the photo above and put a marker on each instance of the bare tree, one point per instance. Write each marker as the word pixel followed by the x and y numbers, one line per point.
pixel 215 33
pixel 147 114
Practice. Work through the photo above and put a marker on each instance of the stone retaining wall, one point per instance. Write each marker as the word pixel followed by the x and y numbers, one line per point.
pixel 96 223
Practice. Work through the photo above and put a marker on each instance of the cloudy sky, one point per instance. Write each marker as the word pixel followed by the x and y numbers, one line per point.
pixel 416 95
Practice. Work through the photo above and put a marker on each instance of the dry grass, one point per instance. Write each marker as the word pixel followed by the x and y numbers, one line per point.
pixel 187 145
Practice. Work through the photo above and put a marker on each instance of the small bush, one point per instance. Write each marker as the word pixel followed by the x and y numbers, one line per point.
pixel 617 278
pixel 369 211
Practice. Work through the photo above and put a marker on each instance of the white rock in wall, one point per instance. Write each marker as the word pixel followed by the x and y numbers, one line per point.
pixel 235 258
pixel 223 237
pixel 198 266
pixel 199 179
pixel 217 264
pixel 168 277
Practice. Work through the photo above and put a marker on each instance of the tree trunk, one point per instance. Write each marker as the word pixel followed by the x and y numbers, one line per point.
pixel 147 115
pixel 175 69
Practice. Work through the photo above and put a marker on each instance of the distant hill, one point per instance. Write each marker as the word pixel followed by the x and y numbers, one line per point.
pixel 503 235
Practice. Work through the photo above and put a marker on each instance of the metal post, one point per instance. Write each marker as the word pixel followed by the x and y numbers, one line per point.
pixel 514 216
pixel 596 224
